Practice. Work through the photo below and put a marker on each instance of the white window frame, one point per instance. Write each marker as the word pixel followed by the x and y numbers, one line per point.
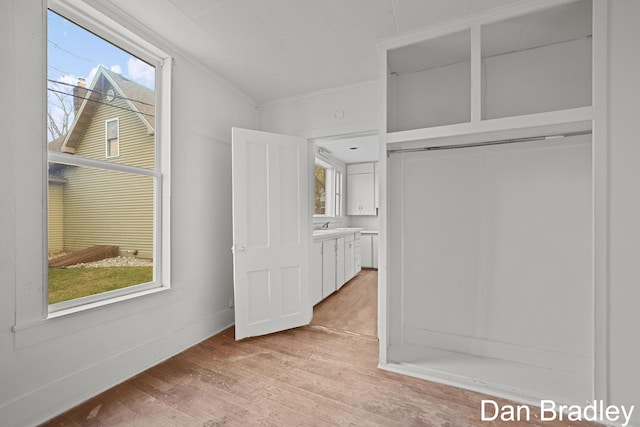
pixel 328 189
pixel 338 192
pixel 334 187
pixel 94 21
pixel 107 147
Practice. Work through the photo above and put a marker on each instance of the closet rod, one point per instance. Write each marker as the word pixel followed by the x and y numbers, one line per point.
pixel 487 143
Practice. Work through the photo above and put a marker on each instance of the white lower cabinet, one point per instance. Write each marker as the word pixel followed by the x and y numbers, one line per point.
pixel 374 251
pixel 316 273
pixel 366 250
pixel 349 258
pixel 334 262
pixel 328 267
pixel 369 250
pixel 340 278
pixel 357 260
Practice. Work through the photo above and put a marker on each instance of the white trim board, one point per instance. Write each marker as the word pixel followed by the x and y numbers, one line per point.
pixel 514 381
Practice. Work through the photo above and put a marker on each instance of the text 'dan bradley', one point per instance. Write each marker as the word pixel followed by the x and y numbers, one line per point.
pixel 595 411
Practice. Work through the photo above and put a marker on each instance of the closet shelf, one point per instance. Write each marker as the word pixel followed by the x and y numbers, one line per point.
pixel 565 121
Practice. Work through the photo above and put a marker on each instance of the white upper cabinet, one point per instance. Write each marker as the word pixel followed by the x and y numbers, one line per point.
pixel 361 189
pixel 527 69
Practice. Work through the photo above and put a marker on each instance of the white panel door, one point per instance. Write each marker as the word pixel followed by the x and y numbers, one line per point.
pixel 271 232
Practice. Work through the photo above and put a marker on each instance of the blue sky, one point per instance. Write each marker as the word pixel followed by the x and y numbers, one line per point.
pixel 74 52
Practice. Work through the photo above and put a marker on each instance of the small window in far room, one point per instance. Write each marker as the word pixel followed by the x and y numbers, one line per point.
pixel 327 198
pixel 320 199
pixel 113 140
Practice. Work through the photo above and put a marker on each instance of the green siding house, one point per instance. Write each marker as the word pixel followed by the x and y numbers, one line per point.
pixel 114 122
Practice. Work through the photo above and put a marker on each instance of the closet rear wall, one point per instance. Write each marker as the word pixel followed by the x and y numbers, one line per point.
pixel 495 250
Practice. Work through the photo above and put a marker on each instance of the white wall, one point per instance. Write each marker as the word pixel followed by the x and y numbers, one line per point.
pixel 54 365
pixel 365 221
pixel 624 243
pixel 496 248
pixel 548 78
pixel 435 97
pixel 337 112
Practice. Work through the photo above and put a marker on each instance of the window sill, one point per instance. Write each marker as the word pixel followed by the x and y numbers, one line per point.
pixel 103 303
pixel 75 319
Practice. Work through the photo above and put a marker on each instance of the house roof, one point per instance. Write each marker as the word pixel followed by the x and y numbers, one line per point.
pixel 138 98
pixel 56 144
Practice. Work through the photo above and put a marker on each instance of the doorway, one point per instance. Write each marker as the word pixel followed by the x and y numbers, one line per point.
pixel 352 309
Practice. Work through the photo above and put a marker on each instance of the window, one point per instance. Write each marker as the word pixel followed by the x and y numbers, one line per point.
pixel 112 132
pixel 328 189
pixel 321 190
pixel 107 226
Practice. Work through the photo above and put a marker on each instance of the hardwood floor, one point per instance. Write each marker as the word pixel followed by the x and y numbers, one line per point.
pixel 354 308
pixel 322 374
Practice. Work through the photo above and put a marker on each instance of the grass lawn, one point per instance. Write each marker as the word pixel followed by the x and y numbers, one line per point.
pixel 71 283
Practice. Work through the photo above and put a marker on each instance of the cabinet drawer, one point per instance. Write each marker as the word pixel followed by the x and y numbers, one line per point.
pixel 356 253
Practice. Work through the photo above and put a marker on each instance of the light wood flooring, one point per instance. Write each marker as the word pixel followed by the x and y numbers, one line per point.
pixel 324 374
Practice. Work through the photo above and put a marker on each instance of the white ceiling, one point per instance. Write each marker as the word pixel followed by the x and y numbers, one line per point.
pixel 560 24
pixel 275 49
pixel 352 150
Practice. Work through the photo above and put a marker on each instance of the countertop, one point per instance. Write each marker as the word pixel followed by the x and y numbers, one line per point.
pixel 332 233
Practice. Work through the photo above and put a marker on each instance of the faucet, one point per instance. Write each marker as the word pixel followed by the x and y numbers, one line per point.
pixel 325 225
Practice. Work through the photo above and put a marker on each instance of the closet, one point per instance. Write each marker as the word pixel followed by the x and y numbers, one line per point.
pixel 488 204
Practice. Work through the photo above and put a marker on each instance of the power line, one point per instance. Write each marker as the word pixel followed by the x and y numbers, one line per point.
pixel 61 49
pixel 59 69
pixel 100 102
pixel 100 93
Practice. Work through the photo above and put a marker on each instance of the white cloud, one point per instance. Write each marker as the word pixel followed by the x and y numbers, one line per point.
pixel 141 72
pixel 66 80
pixel 138 71
pixel 91 75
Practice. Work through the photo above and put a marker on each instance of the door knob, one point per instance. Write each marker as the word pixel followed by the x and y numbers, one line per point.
pixel 237 248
